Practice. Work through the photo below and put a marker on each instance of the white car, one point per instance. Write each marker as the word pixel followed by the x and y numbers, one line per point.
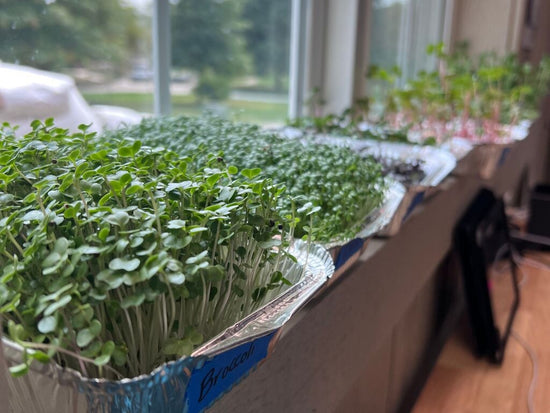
pixel 27 94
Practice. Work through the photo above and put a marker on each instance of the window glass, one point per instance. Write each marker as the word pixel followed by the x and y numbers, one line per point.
pixel 400 32
pixel 104 45
pixel 231 57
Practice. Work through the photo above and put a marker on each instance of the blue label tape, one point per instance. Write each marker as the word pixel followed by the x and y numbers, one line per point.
pixel 214 377
pixel 503 156
pixel 347 251
pixel 418 198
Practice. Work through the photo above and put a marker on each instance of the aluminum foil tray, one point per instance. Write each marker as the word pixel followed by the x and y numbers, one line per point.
pixel 458 147
pixel 486 158
pixel 436 165
pixel 190 384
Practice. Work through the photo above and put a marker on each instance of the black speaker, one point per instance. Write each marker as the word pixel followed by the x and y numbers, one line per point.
pixel 490 274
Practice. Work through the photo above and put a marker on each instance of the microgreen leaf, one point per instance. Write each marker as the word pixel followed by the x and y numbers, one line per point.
pixel 19 370
pixel 47 324
pixel 40 356
pixel 86 335
pixel 124 264
pixel 133 300
pixel 251 173
pixel 270 243
pixel 178 347
pixel 33 216
pixel 176 224
pixel 52 308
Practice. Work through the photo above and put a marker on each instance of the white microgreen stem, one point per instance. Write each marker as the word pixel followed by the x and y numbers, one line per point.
pixel 72 354
pixel 203 302
pixel 128 326
pixel 221 305
pixel 156 210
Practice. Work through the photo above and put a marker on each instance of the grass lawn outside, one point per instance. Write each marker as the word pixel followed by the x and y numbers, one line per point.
pixel 240 110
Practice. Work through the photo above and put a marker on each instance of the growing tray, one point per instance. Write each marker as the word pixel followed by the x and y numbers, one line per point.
pixel 486 157
pixel 346 252
pixel 474 157
pixel 436 165
pixel 190 384
pixel 458 147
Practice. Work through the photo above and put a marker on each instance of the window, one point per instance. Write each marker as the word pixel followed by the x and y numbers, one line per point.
pixel 401 30
pixel 231 57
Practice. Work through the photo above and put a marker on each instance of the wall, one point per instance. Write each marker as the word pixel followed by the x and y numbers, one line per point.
pixel 535 44
pixel 494 25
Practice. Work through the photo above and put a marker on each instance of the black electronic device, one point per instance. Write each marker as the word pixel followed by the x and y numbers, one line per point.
pixel 490 274
pixel 539 220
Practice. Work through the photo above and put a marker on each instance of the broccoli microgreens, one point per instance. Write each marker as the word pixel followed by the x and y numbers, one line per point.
pixel 116 257
pixel 338 183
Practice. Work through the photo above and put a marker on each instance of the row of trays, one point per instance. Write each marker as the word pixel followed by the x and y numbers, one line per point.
pixel 416 173
pixel 194 383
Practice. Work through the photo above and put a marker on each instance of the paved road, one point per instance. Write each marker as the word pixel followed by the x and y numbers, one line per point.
pixel 125 85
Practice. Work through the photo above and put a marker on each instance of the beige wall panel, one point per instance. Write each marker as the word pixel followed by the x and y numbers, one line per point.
pixel 489 25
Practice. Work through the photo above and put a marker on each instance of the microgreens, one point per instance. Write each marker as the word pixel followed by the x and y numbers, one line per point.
pixel 476 98
pixel 471 97
pixel 338 184
pixel 116 258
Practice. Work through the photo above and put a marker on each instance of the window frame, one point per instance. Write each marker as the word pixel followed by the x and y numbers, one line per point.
pixel 316 42
pixel 406 37
pixel 162 60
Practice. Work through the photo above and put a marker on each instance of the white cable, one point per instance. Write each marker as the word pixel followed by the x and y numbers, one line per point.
pixel 535 263
pixel 519 260
pixel 534 362
pixel 524 276
pixel 516 257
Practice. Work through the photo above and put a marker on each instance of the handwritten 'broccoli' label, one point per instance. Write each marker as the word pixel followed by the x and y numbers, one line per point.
pixel 219 374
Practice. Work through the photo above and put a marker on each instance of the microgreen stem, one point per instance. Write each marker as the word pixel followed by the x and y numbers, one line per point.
pixel 16 244
pixel 69 353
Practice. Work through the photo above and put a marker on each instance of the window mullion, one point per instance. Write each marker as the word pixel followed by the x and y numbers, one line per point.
pixel 161 56
pixel 298 34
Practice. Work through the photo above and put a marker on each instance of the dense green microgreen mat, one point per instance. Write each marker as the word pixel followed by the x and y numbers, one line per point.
pixel 115 257
pixel 338 183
